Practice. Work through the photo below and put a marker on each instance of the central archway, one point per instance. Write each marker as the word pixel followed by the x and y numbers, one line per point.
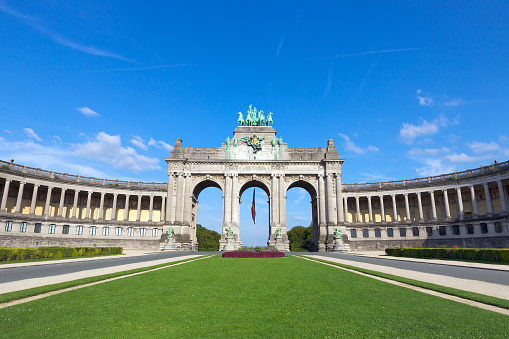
pixel 311 190
pixel 255 234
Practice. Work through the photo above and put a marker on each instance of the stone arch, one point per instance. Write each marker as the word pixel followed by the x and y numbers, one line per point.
pixel 313 192
pixel 304 184
pixel 254 183
pixel 203 184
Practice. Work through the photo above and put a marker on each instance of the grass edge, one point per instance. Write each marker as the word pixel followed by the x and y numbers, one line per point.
pixel 481 298
pixel 30 292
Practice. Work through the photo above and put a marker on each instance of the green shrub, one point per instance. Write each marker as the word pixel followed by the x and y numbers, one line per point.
pixel 481 254
pixel 11 254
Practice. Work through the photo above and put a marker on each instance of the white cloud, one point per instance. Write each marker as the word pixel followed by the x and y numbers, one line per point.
pixel 301 195
pixel 108 149
pixel 454 102
pixel 138 142
pixel 56 138
pixel 481 147
pixel 425 101
pixel 7 131
pixel 428 151
pixel 31 134
pixel 434 167
pixel 351 146
pixel 462 157
pixel 409 132
pixel 159 144
pixel 86 49
pixel 88 112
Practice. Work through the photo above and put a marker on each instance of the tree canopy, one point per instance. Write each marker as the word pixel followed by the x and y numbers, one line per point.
pixel 208 240
pixel 300 238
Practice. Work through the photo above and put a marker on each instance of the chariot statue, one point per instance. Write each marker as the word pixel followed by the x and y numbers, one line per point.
pixel 241 121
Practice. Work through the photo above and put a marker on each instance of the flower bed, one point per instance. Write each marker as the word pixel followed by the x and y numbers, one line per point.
pixel 253 254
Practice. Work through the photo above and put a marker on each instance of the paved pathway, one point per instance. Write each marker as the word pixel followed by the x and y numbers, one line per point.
pixel 480 278
pixel 20 276
pixel 492 280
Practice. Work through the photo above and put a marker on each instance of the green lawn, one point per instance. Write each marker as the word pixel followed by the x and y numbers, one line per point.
pixel 248 298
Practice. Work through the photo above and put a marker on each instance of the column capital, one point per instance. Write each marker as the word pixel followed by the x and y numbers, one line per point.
pixel 418 193
pixel 381 196
pixel 115 194
pixel 321 175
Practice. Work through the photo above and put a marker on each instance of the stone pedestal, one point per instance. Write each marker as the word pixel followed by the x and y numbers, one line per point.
pixel 228 246
pixel 169 245
pixel 279 244
pixel 339 246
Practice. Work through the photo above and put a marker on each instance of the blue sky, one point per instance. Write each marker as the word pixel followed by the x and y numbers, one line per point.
pixel 103 88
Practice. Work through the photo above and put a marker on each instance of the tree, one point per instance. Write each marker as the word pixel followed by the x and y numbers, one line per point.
pixel 208 240
pixel 300 238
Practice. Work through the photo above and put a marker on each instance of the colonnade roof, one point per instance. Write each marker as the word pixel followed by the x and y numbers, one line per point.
pixel 456 177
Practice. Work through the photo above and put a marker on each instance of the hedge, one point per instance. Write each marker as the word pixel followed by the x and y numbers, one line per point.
pixel 10 254
pixel 482 254
pixel 252 254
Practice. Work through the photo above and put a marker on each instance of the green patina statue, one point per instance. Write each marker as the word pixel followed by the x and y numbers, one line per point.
pixel 255 142
pixel 235 142
pixel 255 118
pixel 227 149
pixel 241 121
pixel 274 141
pixel 278 232
pixel 229 232
pixel 337 233
pixel 170 233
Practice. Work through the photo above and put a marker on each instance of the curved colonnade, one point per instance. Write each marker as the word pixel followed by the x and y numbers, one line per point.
pixel 466 209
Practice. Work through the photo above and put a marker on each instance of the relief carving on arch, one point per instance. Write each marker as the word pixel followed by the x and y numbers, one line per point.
pixel 196 180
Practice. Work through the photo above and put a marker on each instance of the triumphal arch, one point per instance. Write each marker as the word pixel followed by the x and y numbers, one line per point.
pixel 255 157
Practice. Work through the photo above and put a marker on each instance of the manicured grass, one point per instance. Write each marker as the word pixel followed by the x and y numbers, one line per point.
pixel 248 298
pixel 30 292
pixel 482 298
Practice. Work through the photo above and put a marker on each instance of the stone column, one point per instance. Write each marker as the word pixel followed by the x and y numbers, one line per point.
pixel 460 203
pixel 357 210
pixel 179 207
pixel 34 199
pixel 433 206
pixel 101 207
pixel 235 200
pixel 502 196
pixel 138 210
pixel 61 203
pixel 370 210
pixel 113 212
pixel 274 201
pixel 394 208
pixel 17 208
pixel 126 208
pixel 282 203
pixel 332 214
pixel 163 208
pixel 87 210
pixel 407 208
pixel 321 200
pixel 419 205
pixel 75 203
pixel 446 202
pixel 4 195
pixel 489 204
pixel 474 201
pixel 227 202
pixel 382 208
pixel 339 199
pixel 170 217
pixel 47 207
pixel 187 200
pixel 151 209
pixel 346 208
